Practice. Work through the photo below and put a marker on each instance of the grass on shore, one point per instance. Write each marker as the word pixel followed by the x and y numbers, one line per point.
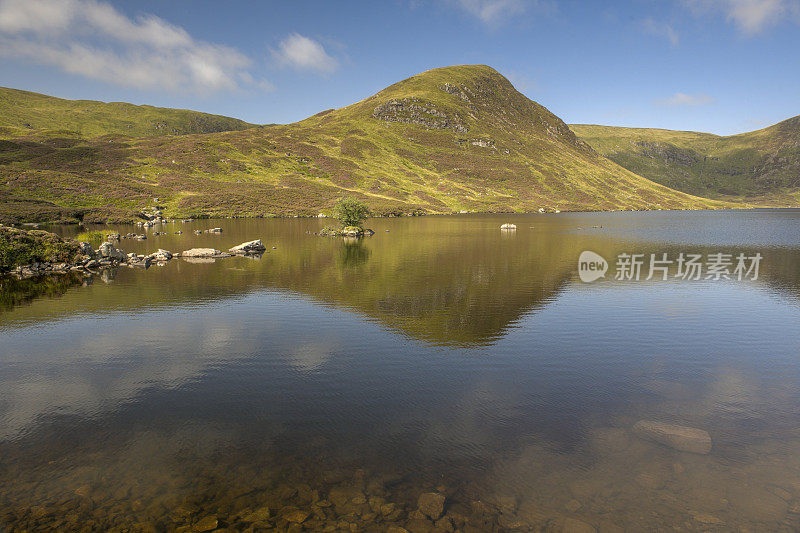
pixel 23 247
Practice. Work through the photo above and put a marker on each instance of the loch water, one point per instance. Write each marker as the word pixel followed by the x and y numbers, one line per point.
pixel 330 383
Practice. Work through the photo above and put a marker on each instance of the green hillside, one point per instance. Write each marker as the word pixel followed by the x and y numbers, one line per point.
pixel 23 113
pixel 763 164
pixel 449 139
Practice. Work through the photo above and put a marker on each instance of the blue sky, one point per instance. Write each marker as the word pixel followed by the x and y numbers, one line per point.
pixel 724 66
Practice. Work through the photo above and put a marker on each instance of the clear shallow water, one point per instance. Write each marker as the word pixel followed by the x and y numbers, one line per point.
pixel 335 378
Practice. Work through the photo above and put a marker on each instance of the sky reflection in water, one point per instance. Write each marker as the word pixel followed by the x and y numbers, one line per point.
pixel 442 352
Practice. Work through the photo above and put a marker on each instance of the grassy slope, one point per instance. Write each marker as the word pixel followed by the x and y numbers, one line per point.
pixel 475 144
pixel 23 113
pixel 762 165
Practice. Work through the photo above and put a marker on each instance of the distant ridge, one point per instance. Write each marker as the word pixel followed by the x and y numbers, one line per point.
pixel 761 166
pixel 24 112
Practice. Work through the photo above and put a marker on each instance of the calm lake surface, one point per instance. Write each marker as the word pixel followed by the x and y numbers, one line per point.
pixel 330 383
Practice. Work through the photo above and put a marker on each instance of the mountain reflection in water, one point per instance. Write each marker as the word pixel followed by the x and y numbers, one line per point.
pixel 334 382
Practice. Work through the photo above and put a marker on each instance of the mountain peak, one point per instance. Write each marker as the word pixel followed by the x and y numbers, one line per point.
pixel 467 99
pixel 459 80
pixel 474 101
pixel 455 73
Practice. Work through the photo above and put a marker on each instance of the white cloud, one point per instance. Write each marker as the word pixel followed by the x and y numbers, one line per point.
pixel 660 29
pixel 92 39
pixel 521 81
pixel 493 12
pixel 685 100
pixel 303 53
pixel 751 16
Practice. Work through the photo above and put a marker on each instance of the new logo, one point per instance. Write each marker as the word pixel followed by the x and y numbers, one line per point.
pixel 591 266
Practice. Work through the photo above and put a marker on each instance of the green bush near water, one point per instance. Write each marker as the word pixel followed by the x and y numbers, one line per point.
pixel 22 247
pixel 95 238
pixel 351 212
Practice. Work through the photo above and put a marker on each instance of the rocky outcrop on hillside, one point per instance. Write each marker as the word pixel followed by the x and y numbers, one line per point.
pixel 461 92
pixel 668 152
pixel 418 112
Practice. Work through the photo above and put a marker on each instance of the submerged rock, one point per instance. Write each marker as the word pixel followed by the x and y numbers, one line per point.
pixel 431 504
pixel 259 515
pixel 757 504
pixel 209 523
pixel 573 525
pixel 293 514
pixel 199 260
pixel 707 519
pixel 680 438
pixel 251 247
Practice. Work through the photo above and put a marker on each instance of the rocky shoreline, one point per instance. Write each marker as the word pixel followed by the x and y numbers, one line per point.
pixel 27 254
pixel 80 257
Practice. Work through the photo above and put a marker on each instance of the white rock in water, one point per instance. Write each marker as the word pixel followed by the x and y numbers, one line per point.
pixel 508 226
pixel 200 252
pixel 681 438
pixel 249 247
pixel 161 255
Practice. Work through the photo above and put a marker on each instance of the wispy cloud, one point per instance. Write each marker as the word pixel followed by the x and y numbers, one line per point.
pixel 494 13
pixel 92 39
pixel 660 29
pixel 685 100
pixel 304 53
pixel 521 81
pixel 751 16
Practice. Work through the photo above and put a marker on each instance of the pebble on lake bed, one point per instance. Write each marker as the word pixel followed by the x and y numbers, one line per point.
pixel 431 504
pixel 680 438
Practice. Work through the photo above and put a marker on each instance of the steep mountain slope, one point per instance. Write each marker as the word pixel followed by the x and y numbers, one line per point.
pixel 763 163
pixel 449 139
pixel 23 113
